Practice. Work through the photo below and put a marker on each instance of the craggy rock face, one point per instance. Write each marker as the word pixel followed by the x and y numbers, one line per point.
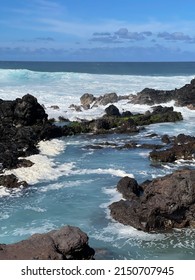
pixel 166 203
pixel 23 123
pixel 182 147
pixel 63 244
pixel 185 96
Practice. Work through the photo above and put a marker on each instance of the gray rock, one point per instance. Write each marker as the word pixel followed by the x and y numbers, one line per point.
pixel 108 98
pixel 86 100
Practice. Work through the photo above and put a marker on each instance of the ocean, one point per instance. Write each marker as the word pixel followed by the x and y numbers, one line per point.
pixel 71 183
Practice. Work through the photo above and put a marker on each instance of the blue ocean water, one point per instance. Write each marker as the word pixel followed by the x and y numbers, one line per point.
pixel 72 183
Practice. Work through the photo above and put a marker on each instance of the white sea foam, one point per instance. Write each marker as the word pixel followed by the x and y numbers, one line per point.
pixel 33 208
pixel 66 184
pixel 51 147
pixel 115 232
pixel 114 196
pixel 111 171
pixel 44 169
pixel 4 191
pixel 7 192
pixel 34 228
pixel 4 216
pixel 63 89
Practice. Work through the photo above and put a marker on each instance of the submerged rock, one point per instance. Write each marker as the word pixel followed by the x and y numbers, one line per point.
pixel 67 243
pixel 166 203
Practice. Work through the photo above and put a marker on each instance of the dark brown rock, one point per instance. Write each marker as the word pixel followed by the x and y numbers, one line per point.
pixel 67 243
pixel 166 203
pixel 185 96
pixel 183 147
pixel 129 187
pixel 11 182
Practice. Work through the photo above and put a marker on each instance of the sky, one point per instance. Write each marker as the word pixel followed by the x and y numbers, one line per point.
pixel 97 30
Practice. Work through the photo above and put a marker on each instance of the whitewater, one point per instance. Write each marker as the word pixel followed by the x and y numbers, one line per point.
pixel 72 183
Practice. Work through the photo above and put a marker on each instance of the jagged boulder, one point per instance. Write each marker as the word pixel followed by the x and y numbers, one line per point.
pixel 166 203
pixel 67 243
pixel 184 96
pixel 28 111
pixel 182 147
pixel 112 110
pixel 11 181
pixel 86 100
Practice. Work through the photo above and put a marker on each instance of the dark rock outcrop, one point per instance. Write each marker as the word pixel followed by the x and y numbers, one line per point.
pixel 112 111
pixel 11 181
pixel 129 188
pixel 181 147
pixel 166 203
pixel 23 123
pixel 185 96
pixel 152 96
pixel 67 243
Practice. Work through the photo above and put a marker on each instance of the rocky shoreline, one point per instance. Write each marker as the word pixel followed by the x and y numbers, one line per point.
pixel 158 205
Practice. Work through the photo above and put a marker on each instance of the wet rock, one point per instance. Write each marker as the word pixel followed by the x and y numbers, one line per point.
pixel 86 100
pixel 166 203
pixel 152 96
pixel 55 107
pixel 67 243
pixel 27 111
pixel 108 98
pixel 101 123
pixel 126 114
pixel 23 123
pixel 185 96
pixel 183 147
pixel 112 110
pixel 165 139
pixel 76 108
pixel 11 182
pixel 129 187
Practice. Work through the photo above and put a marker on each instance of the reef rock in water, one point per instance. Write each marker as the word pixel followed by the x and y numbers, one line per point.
pixel 158 205
pixel 67 243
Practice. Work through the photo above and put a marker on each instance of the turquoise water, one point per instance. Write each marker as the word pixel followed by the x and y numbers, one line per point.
pixel 74 183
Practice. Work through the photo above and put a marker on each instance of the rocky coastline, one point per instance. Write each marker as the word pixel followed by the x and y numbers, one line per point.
pixel 159 205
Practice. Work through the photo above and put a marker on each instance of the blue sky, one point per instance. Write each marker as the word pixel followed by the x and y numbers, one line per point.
pixel 97 30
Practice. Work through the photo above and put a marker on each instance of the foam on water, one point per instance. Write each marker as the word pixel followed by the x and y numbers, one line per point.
pixel 67 184
pixel 84 179
pixel 111 171
pixel 63 89
pixel 32 229
pixel 36 209
pixel 52 147
pixel 10 192
pixel 44 168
